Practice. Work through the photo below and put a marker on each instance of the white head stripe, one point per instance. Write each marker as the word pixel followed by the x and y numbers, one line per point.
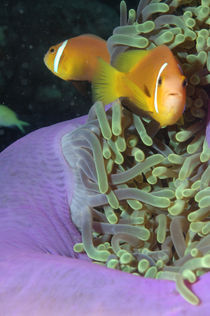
pixel 58 55
pixel 156 85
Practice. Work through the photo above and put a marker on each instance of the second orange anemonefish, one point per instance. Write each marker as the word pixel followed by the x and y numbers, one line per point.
pixel 151 80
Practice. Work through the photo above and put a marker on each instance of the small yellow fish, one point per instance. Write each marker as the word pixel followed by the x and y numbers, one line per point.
pixel 8 118
pixel 77 57
pixel 151 80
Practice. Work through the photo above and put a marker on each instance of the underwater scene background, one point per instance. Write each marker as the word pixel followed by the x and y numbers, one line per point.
pixel 27 30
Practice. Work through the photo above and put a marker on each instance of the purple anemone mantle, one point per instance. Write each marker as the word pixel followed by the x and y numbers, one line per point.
pixel 39 272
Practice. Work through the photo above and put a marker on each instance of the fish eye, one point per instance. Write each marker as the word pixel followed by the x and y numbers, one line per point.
pixel 52 50
pixel 159 81
pixel 184 83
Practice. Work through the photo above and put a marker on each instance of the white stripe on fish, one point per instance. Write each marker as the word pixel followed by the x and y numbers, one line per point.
pixel 58 55
pixel 156 85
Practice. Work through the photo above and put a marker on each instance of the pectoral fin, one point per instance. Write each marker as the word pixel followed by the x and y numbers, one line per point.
pixel 82 86
pixel 138 96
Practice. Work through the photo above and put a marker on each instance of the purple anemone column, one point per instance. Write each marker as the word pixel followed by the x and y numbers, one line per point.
pixel 39 272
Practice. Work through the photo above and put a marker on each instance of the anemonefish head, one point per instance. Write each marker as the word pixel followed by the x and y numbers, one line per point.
pixel 169 92
pixel 55 60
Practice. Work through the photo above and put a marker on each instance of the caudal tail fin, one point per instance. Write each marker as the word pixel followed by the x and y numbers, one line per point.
pixel 21 124
pixel 104 84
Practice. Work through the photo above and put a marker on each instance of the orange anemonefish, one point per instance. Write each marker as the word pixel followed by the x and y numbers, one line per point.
pixel 151 80
pixel 77 57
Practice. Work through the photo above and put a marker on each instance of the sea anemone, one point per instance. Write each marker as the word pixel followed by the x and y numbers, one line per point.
pixel 145 191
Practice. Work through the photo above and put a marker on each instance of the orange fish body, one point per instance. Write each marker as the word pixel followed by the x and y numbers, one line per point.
pixel 77 57
pixel 152 80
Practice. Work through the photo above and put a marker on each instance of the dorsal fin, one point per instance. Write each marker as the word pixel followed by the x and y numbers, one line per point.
pixel 127 60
